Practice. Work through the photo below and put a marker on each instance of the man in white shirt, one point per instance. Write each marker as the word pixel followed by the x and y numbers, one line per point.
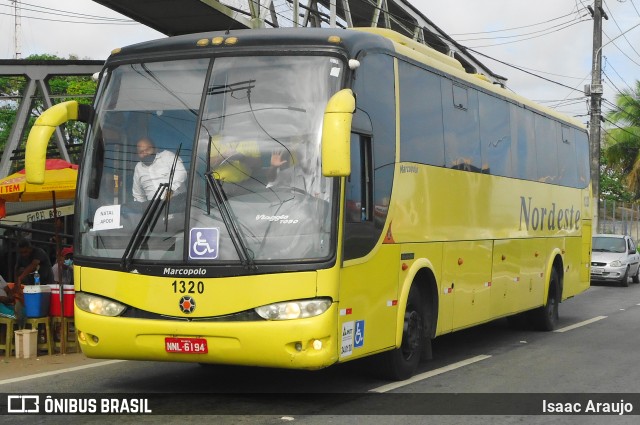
pixel 153 169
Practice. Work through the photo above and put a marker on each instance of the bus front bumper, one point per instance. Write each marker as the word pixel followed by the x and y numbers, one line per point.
pixel 297 344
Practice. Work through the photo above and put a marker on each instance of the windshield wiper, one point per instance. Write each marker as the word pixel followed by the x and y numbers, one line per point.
pixel 244 253
pixel 147 222
pixel 169 194
pixel 150 216
pixel 231 87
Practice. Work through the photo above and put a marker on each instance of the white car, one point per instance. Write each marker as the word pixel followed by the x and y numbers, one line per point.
pixel 614 258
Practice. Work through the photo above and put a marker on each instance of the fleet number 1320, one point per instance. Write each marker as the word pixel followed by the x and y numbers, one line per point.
pixel 187 287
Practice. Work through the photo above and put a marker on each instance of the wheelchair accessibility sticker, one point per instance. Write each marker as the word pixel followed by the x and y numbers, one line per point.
pixel 358 338
pixel 352 337
pixel 203 243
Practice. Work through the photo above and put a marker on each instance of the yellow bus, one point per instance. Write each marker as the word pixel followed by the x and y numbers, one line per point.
pixel 309 197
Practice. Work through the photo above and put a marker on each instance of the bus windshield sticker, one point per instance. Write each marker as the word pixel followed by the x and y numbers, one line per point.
pixel 347 339
pixel 106 218
pixel 203 243
pixel 335 72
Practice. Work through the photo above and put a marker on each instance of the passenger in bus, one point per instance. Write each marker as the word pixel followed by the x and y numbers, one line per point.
pixel 154 169
pixel 32 259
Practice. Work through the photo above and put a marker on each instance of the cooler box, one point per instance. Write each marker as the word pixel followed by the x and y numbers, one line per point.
pixel 68 294
pixel 36 300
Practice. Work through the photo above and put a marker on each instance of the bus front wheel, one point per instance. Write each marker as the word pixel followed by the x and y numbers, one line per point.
pixel 401 363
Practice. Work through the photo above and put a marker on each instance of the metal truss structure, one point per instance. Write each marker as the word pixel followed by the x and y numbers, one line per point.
pixel 191 16
pixel 37 74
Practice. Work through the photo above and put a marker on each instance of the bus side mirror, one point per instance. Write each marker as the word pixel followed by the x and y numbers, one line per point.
pixel 336 134
pixel 43 128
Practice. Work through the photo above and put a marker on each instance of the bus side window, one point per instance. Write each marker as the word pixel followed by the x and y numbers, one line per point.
pixel 359 207
pixel 547 139
pixel 461 127
pixel 567 169
pixel 582 154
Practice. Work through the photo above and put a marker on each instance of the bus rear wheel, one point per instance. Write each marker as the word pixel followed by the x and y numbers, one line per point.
pixel 401 363
pixel 545 318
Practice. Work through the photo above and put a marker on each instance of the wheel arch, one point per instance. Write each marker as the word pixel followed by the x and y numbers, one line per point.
pixel 420 274
pixel 555 263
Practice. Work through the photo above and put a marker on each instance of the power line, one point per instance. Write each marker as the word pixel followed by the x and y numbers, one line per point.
pixel 620 128
pixel 514 28
pixel 551 73
pixel 557 100
pixel 610 81
pixel 71 14
pixel 520 35
pixel 610 136
pixel 611 40
pixel 72 22
pixel 622 111
pixel 519 68
pixel 537 36
pixel 616 22
pixel 614 70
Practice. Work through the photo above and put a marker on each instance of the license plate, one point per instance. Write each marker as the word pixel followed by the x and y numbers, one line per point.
pixel 596 270
pixel 186 345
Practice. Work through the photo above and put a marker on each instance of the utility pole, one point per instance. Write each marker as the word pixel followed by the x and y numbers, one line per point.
pixel 16 29
pixel 595 92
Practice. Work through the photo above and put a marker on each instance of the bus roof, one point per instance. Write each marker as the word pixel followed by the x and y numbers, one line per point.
pixel 350 40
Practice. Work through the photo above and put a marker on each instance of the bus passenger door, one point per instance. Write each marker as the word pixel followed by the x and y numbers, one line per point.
pixel 369 277
pixel 467 267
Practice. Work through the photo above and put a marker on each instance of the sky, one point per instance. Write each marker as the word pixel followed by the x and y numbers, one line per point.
pixel 549 38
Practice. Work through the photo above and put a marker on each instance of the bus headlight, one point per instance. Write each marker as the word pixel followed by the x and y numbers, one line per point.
pixel 616 263
pixel 294 309
pixel 98 305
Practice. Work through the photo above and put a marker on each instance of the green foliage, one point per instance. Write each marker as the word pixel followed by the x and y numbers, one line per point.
pixel 612 187
pixel 622 142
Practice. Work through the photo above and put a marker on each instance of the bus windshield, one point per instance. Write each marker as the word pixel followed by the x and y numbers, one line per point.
pixel 200 160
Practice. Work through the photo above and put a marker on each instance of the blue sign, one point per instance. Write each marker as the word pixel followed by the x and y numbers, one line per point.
pixel 358 338
pixel 203 243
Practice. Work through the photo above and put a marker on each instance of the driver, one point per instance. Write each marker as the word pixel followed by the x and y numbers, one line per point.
pixel 154 169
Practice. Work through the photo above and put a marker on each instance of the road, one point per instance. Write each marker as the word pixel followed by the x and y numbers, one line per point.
pixel 595 350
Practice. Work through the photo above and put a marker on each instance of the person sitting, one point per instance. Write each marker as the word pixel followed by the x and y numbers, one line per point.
pixel 32 259
pixel 12 302
pixel 63 268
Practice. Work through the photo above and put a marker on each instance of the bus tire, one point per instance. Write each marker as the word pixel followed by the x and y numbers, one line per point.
pixel 401 363
pixel 545 318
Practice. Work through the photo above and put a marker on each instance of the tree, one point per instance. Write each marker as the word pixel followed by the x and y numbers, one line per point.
pixel 622 142
pixel 612 187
